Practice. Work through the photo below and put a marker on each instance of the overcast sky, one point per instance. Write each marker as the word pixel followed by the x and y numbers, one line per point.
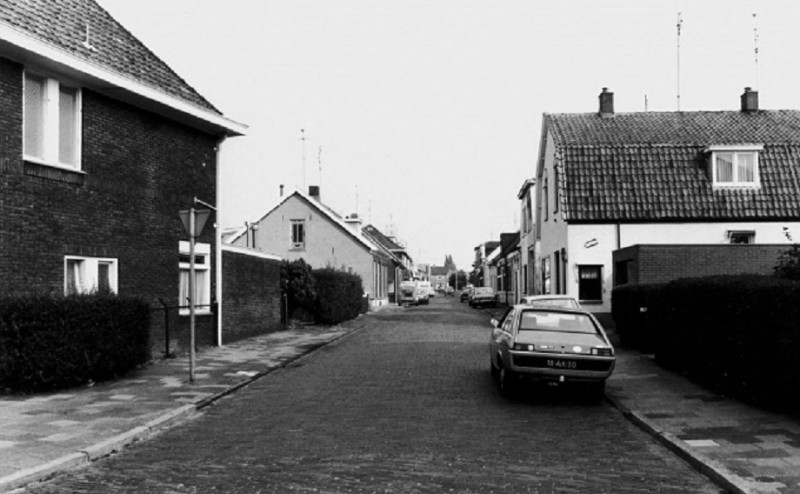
pixel 425 115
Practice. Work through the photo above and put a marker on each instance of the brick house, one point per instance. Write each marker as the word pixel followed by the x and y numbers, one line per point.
pixel 103 144
pixel 301 226
pixel 606 181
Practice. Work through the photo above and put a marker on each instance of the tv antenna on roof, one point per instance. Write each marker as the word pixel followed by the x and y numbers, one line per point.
pixel 755 46
pixel 303 145
pixel 679 25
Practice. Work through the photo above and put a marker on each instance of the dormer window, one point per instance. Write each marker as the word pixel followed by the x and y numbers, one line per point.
pixel 734 166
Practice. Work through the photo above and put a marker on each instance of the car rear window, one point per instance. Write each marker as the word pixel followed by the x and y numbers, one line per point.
pixel 556 321
pixel 566 303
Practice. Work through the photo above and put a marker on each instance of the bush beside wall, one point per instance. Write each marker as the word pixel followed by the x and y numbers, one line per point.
pixel 737 335
pixel 339 296
pixel 51 343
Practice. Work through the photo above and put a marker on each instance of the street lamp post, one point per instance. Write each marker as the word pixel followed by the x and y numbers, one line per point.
pixel 193 221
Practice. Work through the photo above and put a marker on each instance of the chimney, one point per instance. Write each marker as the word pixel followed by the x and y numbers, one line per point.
pixel 749 100
pixel 313 191
pixel 606 103
pixel 354 222
pixel 281 190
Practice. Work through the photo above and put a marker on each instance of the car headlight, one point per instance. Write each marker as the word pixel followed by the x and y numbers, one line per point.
pixel 525 347
pixel 603 351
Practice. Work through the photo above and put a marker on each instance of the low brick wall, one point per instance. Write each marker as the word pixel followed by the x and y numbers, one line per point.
pixel 251 294
pixel 651 263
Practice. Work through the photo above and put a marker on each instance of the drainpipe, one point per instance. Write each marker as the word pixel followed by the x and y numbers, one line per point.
pixel 218 245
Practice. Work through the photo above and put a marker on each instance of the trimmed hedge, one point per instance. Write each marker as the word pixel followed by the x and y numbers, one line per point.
pixel 737 335
pixel 631 310
pixel 339 296
pixel 51 343
pixel 299 286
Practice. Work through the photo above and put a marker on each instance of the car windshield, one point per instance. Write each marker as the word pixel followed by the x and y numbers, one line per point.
pixel 483 291
pixel 566 303
pixel 556 321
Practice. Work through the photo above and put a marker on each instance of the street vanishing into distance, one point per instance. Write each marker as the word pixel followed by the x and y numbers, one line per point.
pixel 406 404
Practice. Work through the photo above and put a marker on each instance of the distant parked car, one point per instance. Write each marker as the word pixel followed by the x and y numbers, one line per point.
pixel 483 296
pixel 449 290
pixel 465 294
pixel 557 346
pixel 410 294
pixel 563 301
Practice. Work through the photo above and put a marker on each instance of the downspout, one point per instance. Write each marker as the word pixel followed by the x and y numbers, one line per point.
pixel 218 244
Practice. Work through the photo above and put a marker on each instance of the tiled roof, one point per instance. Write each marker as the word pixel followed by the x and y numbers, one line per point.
pixel 378 237
pixel 652 166
pixel 63 25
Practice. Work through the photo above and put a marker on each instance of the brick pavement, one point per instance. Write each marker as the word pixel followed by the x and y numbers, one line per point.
pixel 743 449
pixel 45 434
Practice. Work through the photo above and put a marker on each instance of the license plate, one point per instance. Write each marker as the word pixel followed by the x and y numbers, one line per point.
pixel 562 364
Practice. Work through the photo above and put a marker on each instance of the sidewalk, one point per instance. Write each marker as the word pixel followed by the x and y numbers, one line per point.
pixel 46 434
pixel 743 449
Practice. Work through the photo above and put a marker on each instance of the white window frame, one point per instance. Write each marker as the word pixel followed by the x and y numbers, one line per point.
pixel 86 273
pixel 202 271
pixel 51 122
pixel 298 245
pixel 736 151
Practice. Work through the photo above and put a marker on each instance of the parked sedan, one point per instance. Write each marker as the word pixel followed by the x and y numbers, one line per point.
pixel 563 301
pixel 483 296
pixel 465 293
pixel 551 345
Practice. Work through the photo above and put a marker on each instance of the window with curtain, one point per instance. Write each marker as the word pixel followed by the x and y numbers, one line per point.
pixel 734 168
pixel 51 122
pixel 89 275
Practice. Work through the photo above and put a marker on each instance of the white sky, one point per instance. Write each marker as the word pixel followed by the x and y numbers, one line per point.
pixel 428 112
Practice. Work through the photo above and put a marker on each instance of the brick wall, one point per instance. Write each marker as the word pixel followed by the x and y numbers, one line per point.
pixel 661 263
pixel 251 295
pixel 138 170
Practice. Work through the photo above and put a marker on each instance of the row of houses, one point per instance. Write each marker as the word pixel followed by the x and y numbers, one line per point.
pixel 103 146
pixel 648 197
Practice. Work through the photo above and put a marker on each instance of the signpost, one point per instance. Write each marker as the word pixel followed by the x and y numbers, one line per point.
pixel 193 221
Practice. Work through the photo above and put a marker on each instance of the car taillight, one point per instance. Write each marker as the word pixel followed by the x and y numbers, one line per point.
pixel 524 347
pixel 603 352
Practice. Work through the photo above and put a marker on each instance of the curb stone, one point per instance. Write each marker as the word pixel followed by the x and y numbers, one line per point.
pixel 715 472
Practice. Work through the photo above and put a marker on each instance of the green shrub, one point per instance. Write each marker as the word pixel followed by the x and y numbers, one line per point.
pixel 631 310
pixel 51 343
pixel 299 286
pixel 339 296
pixel 738 335
pixel 788 266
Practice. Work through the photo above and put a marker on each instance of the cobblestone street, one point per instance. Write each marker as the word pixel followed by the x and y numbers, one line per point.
pixel 405 404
